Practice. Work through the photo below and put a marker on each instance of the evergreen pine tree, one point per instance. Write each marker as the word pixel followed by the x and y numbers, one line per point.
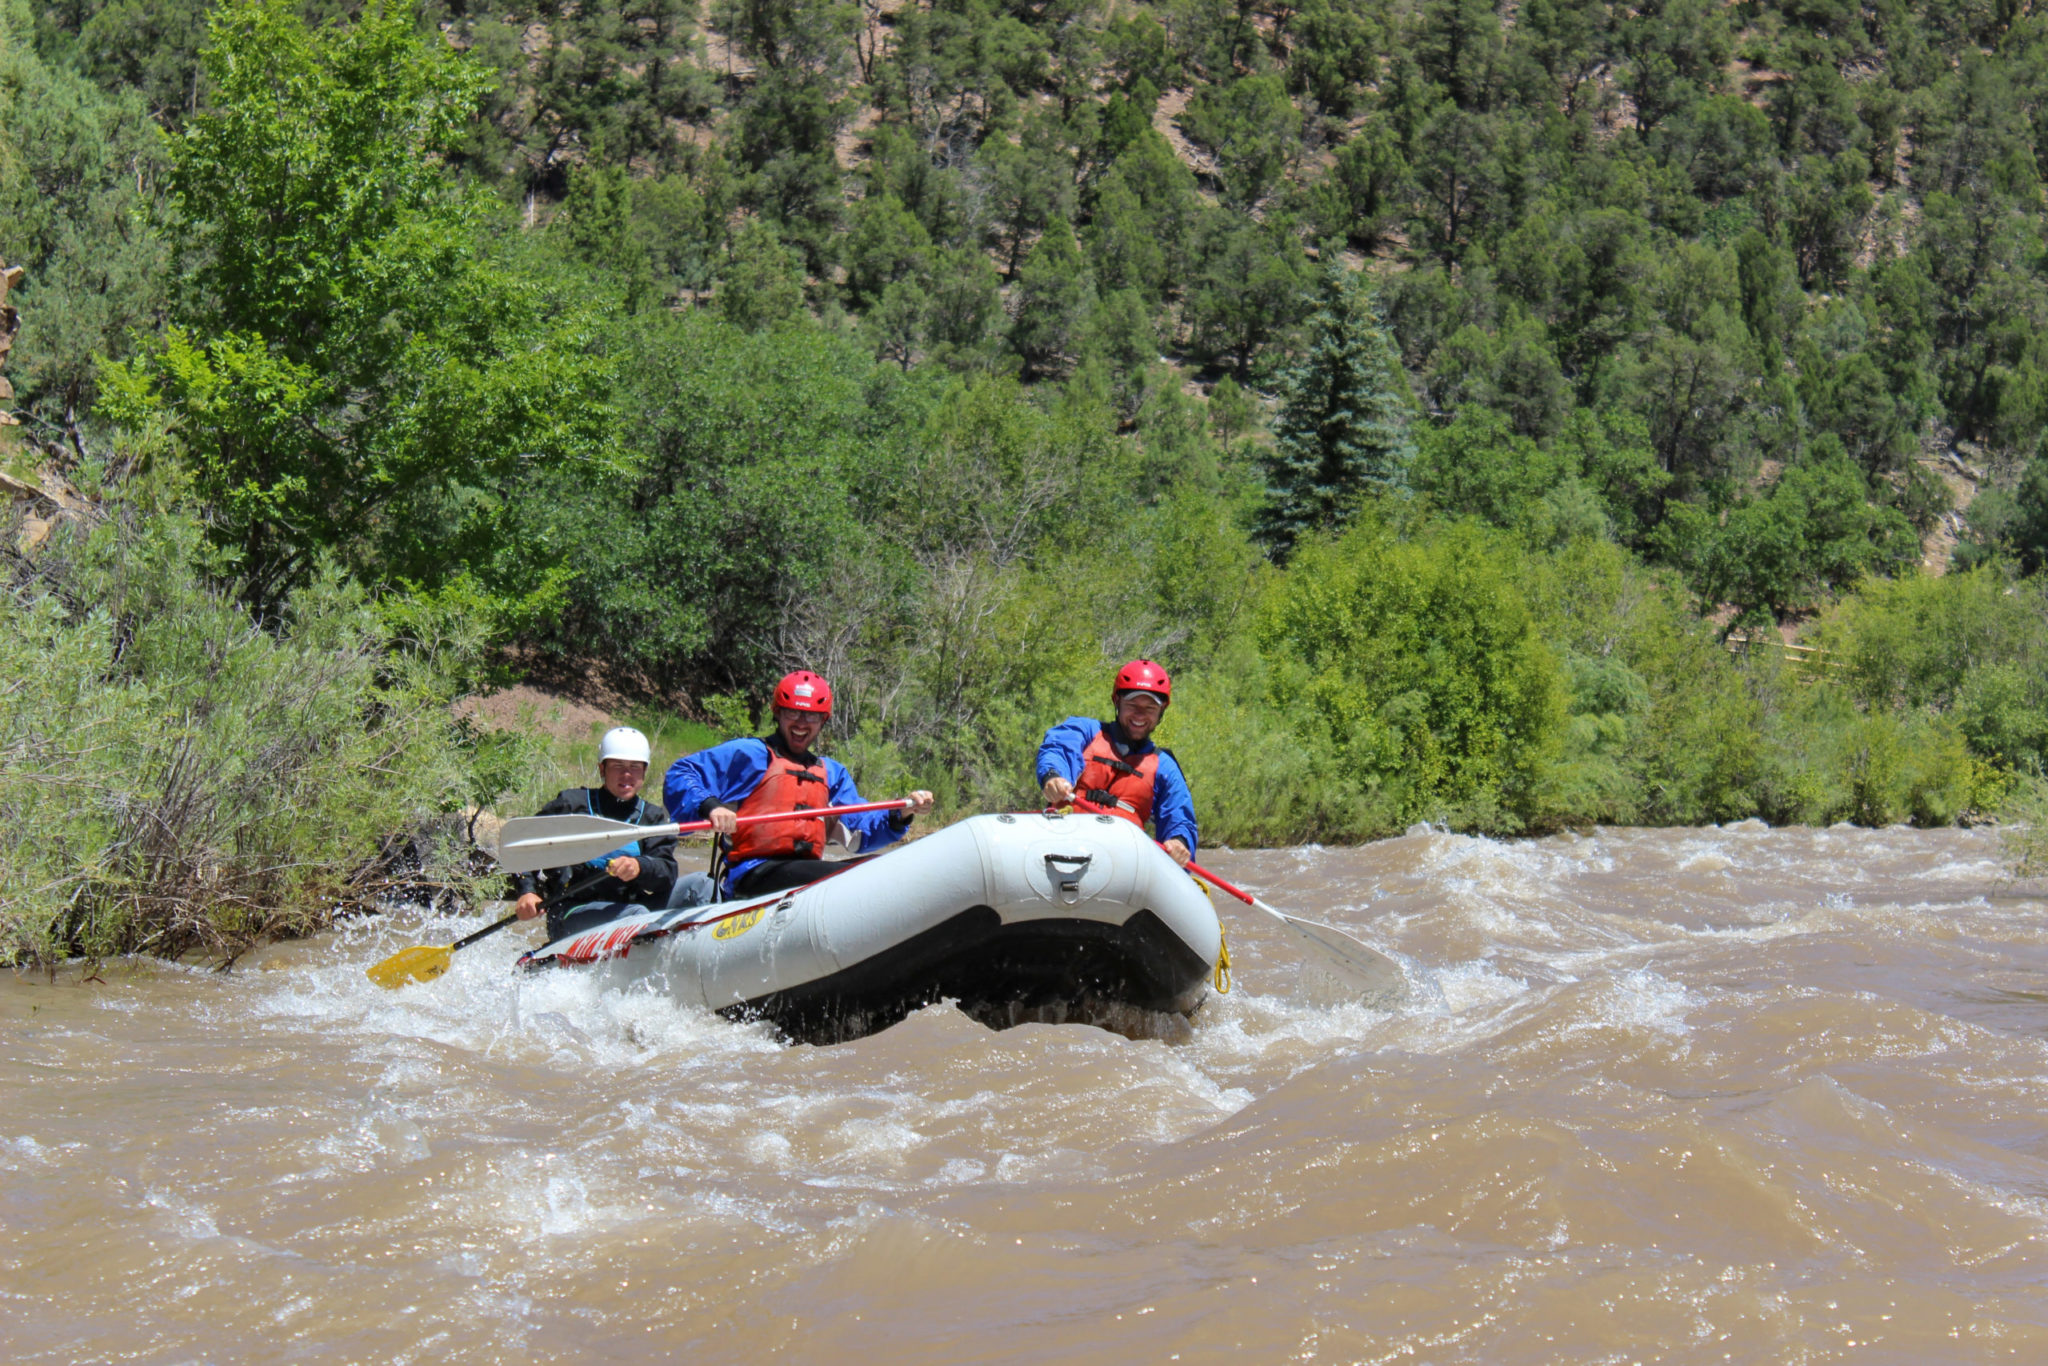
pixel 1054 296
pixel 1343 426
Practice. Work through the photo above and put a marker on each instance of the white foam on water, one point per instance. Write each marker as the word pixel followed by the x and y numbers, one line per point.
pixel 1640 1000
pixel 534 1198
pixel 1240 1031
pixel 25 1150
pixel 573 1021
pixel 1461 987
pixel 768 1149
pixel 1523 869
pixel 187 1217
pixel 961 1171
pixel 1183 1080
pixel 867 1143
pixel 379 1138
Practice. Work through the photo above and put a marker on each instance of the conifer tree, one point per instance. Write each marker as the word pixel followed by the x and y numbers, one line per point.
pixel 1054 295
pixel 1343 431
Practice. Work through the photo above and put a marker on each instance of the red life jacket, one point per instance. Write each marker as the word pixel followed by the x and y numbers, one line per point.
pixel 789 785
pixel 1109 781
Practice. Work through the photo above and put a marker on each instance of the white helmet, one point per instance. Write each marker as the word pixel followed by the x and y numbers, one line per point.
pixel 623 742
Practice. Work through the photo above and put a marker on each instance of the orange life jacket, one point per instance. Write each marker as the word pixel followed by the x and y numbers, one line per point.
pixel 789 785
pixel 1109 781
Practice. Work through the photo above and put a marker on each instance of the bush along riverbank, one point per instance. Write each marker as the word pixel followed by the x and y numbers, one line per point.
pixel 181 776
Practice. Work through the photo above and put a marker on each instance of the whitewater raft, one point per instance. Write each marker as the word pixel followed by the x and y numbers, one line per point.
pixel 1015 917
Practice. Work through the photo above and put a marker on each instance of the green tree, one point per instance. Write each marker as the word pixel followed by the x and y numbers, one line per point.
pixel 1251 128
pixel 1123 239
pixel 2011 523
pixel 965 309
pixel 81 178
pixel 787 126
pixel 1054 297
pixel 1829 202
pixel 599 213
pixel 1029 184
pixel 1846 393
pixel 1166 207
pixel 1566 41
pixel 887 244
pixel 1248 288
pixel 1676 51
pixel 1457 45
pixel 150 47
pixel 897 321
pixel 1457 177
pixel 350 371
pixel 763 282
pixel 680 223
pixel 1121 336
pixel 1612 452
pixel 1363 196
pixel 1477 466
pixel 601 80
pixel 1415 672
pixel 1136 48
pixel 1345 408
pixel 732 503
pixel 1335 50
pixel 1811 531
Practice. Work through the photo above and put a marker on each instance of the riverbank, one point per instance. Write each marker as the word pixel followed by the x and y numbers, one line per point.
pixel 189 774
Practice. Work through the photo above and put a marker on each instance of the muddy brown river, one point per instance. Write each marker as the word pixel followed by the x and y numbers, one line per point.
pixel 1691 1096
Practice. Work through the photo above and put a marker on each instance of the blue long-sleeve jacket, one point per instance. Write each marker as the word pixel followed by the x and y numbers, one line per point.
pixel 727 774
pixel 1173 806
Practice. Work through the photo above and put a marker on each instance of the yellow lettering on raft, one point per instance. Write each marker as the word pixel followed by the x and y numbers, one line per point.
pixel 739 924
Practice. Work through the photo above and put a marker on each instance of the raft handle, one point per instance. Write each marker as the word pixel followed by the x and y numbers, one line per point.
pixel 1066 870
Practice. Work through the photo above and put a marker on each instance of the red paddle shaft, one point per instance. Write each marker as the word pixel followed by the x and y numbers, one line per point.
pixel 1082 803
pixel 900 804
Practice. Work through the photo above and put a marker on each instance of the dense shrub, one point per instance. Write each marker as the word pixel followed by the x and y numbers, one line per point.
pixel 178 776
pixel 1414 674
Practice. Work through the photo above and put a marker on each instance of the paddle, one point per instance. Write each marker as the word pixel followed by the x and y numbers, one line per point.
pixel 529 843
pixel 425 962
pixel 1371 974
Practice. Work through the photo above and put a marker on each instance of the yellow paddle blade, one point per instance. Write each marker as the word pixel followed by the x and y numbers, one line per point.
pixel 420 963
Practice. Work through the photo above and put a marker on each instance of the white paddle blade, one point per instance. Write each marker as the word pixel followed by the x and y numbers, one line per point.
pixel 1375 979
pixel 528 844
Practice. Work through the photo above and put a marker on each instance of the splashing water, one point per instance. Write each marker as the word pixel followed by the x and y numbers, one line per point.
pixel 1691 1095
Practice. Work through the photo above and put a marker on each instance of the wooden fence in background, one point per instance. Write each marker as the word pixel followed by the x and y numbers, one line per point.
pixel 1809 662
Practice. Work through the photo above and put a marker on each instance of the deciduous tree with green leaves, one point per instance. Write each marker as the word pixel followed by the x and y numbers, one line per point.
pixel 351 372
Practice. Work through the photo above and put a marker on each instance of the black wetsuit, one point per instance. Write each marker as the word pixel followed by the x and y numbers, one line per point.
pixel 657 858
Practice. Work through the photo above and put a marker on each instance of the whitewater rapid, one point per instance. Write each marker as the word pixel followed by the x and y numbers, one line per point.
pixel 1689 1095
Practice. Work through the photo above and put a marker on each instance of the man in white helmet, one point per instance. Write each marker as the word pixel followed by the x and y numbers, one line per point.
pixel 640 872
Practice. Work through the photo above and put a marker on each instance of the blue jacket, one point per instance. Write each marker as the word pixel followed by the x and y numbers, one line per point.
pixel 727 774
pixel 1173 806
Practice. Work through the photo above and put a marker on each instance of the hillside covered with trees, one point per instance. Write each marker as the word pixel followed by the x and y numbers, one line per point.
pixel 1438 388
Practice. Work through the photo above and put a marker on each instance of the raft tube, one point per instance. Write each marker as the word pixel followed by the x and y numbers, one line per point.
pixel 1016 917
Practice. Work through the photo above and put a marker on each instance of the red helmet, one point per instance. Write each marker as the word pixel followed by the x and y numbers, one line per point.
pixel 1142 675
pixel 804 691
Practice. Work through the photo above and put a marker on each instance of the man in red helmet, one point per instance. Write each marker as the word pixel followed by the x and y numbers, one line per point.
pixel 1116 766
pixel 749 777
